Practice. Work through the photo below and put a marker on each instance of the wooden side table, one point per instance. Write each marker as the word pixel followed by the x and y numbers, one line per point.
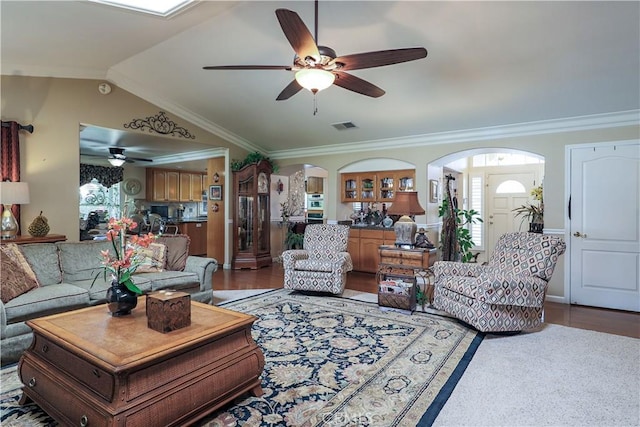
pixel 23 240
pixel 416 262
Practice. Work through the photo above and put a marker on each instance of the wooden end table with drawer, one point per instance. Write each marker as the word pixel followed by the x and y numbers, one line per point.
pixel 415 262
pixel 87 368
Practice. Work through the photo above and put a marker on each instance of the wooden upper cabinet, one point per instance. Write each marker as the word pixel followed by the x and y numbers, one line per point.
pixel 315 185
pixel 368 187
pixel 162 185
pixel 165 185
pixel 375 186
pixel 350 185
pixel 190 187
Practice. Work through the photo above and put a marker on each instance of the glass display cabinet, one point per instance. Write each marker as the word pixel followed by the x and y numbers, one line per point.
pixel 251 216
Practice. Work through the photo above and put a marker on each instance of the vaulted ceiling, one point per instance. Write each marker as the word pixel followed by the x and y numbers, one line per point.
pixel 489 63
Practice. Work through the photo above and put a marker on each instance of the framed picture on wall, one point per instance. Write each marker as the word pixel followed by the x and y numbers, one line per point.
pixel 215 192
pixel 433 190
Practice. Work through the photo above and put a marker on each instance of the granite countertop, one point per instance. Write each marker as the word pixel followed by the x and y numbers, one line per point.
pixel 184 220
pixel 370 227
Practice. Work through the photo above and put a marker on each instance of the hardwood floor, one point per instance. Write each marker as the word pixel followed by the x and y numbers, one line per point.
pixel 596 319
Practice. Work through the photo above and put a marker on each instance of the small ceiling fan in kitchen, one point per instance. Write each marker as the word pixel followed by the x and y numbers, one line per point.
pixel 318 67
pixel 117 157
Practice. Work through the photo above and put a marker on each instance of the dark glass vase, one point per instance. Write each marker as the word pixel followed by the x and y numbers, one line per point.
pixel 120 299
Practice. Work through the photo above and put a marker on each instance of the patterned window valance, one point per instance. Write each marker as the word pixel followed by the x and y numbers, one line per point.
pixel 106 176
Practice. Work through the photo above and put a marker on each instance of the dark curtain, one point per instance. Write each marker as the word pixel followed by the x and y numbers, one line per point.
pixel 10 158
pixel 106 176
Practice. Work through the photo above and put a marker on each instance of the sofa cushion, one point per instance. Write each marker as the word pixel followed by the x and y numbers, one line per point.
pixel 176 280
pixel 81 261
pixel 15 254
pixel 314 265
pixel 97 288
pixel 155 258
pixel 45 300
pixel 43 259
pixel 14 280
pixel 177 250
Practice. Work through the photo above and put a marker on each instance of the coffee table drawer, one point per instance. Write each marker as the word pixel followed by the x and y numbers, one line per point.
pixel 97 380
pixel 60 400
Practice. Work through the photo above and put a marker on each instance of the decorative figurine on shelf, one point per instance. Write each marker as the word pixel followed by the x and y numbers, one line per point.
pixel 422 241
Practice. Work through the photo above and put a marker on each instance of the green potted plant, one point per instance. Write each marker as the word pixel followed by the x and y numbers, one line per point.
pixel 533 212
pixel 250 159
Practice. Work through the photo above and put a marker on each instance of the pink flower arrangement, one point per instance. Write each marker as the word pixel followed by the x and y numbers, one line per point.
pixel 127 251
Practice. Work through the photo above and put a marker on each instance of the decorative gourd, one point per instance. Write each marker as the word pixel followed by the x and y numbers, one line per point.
pixel 39 227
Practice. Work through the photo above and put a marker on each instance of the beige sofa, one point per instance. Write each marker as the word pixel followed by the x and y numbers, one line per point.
pixel 65 273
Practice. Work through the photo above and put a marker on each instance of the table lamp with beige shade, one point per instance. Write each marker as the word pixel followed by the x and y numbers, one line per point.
pixel 406 204
pixel 12 193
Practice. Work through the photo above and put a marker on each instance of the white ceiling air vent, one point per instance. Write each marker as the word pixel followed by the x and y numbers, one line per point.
pixel 344 125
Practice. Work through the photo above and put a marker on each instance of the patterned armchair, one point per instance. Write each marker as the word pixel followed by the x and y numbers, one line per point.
pixel 323 264
pixel 507 294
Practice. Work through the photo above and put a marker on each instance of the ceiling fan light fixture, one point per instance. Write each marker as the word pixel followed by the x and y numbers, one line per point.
pixel 315 79
pixel 116 162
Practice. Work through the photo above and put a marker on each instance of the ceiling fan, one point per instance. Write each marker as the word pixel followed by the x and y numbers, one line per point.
pixel 318 67
pixel 118 158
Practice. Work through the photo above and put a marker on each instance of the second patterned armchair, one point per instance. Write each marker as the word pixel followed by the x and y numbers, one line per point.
pixel 507 294
pixel 323 264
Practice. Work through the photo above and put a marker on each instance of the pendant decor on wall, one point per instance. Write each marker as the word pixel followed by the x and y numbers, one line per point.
pixel 160 124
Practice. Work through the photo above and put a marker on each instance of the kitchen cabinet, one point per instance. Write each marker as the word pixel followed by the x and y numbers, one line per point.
pixel 167 185
pixel 364 247
pixel 314 185
pixel 251 216
pixel 378 186
pixel 191 187
pixel 162 185
pixel 197 232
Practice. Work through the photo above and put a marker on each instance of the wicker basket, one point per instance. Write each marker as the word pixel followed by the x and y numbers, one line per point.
pixel 394 297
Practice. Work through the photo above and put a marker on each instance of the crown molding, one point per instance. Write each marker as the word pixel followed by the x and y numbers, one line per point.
pixel 569 124
pixel 56 72
pixel 135 88
pixel 189 156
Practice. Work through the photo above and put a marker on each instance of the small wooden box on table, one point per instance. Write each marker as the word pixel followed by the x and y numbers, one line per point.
pixel 408 264
pixel 168 310
pixel 87 368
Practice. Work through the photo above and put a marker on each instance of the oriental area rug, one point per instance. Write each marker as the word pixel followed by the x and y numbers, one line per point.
pixel 330 361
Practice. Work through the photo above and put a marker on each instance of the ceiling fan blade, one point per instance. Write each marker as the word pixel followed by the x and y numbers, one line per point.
pixel 248 67
pixel 356 84
pixel 298 34
pixel 358 61
pixel 291 89
pixel 137 159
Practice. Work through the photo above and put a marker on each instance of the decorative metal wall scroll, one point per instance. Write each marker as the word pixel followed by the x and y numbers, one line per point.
pixel 161 124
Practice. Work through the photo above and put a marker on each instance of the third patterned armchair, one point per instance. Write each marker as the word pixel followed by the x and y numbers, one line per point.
pixel 323 264
pixel 507 294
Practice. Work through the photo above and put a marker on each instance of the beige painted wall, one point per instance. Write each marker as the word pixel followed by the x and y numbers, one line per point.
pixel 56 107
pixel 50 156
pixel 550 145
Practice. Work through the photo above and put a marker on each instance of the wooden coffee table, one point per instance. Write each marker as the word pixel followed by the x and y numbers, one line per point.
pixel 87 368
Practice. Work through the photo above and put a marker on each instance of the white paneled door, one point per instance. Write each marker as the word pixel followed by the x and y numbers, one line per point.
pixel 604 225
pixel 501 218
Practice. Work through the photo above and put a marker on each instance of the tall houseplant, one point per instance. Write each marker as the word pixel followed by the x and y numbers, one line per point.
pixel 456 242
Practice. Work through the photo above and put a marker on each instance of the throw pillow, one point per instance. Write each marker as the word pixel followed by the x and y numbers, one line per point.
pixel 14 280
pixel 14 252
pixel 155 257
pixel 177 250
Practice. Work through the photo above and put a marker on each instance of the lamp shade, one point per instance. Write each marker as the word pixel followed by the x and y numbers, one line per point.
pixel 116 162
pixel 406 203
pixel 315 79
pixel 14 193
